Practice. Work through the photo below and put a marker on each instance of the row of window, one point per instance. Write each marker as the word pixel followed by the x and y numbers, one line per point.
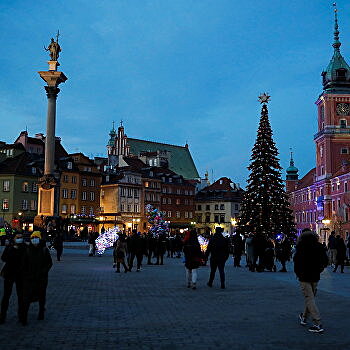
pixel 311 195
pixel 25 186
pixel 218 218
pixel 216 207
pixel 73 194
pixel 153 197
pixel 129 192
pixel 177 201
pixel 129 207
pixel 151 184
pixel 186 214
pixel 25 204
pixel 178 191
pixel 72 209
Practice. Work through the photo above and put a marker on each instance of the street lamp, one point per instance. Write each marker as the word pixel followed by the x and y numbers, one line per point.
pixel 234 223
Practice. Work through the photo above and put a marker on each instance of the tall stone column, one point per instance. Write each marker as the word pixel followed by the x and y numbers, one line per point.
pixel 52 93
pixel 48 201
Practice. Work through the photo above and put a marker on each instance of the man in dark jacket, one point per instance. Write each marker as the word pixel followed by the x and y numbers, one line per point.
pixel 238 246
pixel 309 261
pixel 12 273
pixel 136 248
pixel 37 263
pixel 58 245
pixel 218 249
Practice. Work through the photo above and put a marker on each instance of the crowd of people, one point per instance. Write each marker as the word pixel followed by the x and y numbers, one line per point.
pixel 28 260
pixel 27 264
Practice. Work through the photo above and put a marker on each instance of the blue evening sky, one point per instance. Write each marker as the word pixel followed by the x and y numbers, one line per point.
pixel 174 71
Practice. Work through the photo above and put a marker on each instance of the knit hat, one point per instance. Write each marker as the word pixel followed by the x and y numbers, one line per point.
pixel 36 234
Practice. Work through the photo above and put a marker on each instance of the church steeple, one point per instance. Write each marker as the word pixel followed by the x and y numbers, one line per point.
pixel 336 77
pixel 292 171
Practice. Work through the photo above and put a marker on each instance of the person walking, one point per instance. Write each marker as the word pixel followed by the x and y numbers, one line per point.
pixel 193 257
pixel 120 252
pixel 150 247
pixel 37 264
pixel 238 246
pixel 249 251
pixel 58 245
pixel 283 252
pixel 137 248
pixel 310 259
pixel 12 273
pixel 341 253
pixel 332 249
pixel 218 249
pixel 160 248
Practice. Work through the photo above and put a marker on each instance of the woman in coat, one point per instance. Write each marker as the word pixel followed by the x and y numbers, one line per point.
pixel 341 253
pixel 193 258
pixel 120 252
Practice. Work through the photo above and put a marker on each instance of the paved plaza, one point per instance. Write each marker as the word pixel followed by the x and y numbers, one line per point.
pixel 90 306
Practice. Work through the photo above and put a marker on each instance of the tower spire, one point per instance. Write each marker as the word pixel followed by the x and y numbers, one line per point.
pixel 291 163
pixel 336 43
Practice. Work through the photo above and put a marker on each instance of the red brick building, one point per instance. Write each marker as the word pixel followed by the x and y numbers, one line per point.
pixel 321 199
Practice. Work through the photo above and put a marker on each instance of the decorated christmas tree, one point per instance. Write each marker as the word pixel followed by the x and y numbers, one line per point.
pixel 265 208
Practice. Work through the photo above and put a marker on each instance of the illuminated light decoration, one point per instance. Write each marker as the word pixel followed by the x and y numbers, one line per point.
pixel 106 240
pixel 203 242
pixel 155 218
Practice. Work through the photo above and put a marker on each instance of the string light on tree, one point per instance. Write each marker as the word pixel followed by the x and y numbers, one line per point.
pixel 265 208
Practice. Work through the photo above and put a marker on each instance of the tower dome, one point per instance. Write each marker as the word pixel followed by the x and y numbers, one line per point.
pixel 292 170
pixel 336 77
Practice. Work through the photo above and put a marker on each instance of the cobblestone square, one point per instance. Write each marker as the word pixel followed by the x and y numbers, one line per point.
pixel 89 306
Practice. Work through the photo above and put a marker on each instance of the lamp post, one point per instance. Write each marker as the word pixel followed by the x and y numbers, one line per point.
pixel 234 224
pixel 325 222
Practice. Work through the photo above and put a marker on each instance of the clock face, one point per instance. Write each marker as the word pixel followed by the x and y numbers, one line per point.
pixel 343 109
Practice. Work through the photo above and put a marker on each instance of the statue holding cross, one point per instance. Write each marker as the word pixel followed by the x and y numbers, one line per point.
pixel 54 48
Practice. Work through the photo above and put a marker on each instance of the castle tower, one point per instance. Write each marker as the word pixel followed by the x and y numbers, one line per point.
pixel 333 136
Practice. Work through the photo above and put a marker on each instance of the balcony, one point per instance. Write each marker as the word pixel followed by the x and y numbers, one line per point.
pixel 331 130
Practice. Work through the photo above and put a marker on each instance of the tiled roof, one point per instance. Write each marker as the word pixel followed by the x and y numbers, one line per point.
pixel 223 184
pixel 307 180
pixel 180 161
pixel 17 165
pixel 220 189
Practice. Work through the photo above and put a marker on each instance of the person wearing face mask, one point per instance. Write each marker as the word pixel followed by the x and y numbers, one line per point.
pixel 13 274
pixel 37 263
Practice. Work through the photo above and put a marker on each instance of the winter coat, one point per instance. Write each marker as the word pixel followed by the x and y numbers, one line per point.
pixel 193 254
pixel 249 248
pixel 310 258
pixel 331 242
pixel 238 244
pixel 136 244
pixel 58 242
pixel 341 249
pixel 218 248
pixel 283 250
pixel 13 259
pixel 37 264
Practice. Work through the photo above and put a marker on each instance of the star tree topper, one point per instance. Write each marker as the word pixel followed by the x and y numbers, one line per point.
pixel 264 98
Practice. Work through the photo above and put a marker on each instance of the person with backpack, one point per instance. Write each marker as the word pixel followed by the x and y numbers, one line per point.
pixel 193 257
pixel 310 259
